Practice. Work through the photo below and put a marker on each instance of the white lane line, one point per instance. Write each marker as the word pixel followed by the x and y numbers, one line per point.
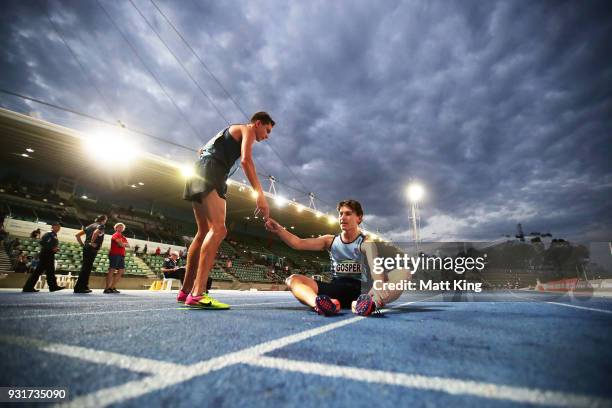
pixel 137 364
pixel 134 389
pixel 63 302
pixel 592 309
pixel 447 385
pixel 178 306
pixel 113 395
pixel 84 313
pixel 581 307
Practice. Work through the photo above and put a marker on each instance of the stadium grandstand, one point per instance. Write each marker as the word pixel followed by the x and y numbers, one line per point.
pixel 47 176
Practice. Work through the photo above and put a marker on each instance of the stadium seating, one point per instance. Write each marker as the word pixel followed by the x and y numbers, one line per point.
pixel 69 258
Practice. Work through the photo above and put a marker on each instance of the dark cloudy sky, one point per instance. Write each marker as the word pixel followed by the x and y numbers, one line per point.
pixel 501 109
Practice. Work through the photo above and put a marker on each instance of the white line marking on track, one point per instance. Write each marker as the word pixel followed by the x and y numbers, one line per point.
pixel 38 316
pixel 84 313
pixel 63 302
pixel 134 389
pixel 592 309
pixel 164 374
pixel 137 364
pixel 113 395
pixel 447 385
pixel 581 307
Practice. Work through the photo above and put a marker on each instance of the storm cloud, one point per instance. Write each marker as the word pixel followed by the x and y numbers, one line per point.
pixel 502 110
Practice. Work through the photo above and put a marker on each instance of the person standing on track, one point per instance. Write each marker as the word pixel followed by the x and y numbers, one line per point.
pixel 116 259
pixel 94 236
pixel 206 191
pixel 49 246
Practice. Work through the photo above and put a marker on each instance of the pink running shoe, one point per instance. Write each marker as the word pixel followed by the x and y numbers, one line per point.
pixel 182 296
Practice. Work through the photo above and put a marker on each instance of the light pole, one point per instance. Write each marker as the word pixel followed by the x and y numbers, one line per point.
pixel 415 194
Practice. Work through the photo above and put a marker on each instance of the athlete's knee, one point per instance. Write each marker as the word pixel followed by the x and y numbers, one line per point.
pixel 199 238
pixel 291 279
pixel 219 231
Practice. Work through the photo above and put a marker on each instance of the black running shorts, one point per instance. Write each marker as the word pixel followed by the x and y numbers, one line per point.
pixel 344 289
pixel 209 175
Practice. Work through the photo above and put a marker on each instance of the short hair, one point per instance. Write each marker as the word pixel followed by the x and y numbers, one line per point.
pixel 264 117
pixel 101 217
pixel 353 205
pixel 119 224
pixel 55 223
pixel 174 253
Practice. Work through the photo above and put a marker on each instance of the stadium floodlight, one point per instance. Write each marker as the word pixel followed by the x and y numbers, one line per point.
pixel 318 214
pixel 280 200
pixel 415 192
pixel 187 171
pixel 300 207
pixel 112 148
pixel 415 195
pixel 84 197
pixel 254 194
pixel 140 183
pixel 29 150
pixel 331 219
pixel 25 155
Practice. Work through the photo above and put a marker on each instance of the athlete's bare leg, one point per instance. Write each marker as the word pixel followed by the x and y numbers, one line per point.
pixel 305 289
pixel 193 255
pixel 212 211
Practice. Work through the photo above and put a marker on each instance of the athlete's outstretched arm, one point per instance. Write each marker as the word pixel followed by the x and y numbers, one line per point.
pixel 248 165
pixel 309 244
pixel 369 249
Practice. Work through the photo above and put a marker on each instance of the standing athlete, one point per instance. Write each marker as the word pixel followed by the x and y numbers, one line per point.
pixel 206 191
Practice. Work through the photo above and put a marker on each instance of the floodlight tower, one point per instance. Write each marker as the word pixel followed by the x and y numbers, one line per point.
pixel 312 201
pixel 415 194
pixel 272 189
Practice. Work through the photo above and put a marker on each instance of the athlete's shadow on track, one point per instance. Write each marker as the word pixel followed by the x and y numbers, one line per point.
pixel 413 309
pixel 346 312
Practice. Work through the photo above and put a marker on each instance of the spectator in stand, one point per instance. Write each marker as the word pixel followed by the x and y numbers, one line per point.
pixel 145 249
pixel 49 246
pixel 35 234
pixel 167 253
pixel 170 268
pixel 20 263
pixel 12 245
pixel 136 248
pixel 94 236
pixel 158 251
pixel 3 234
pixel 33 264
pixel 116 259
